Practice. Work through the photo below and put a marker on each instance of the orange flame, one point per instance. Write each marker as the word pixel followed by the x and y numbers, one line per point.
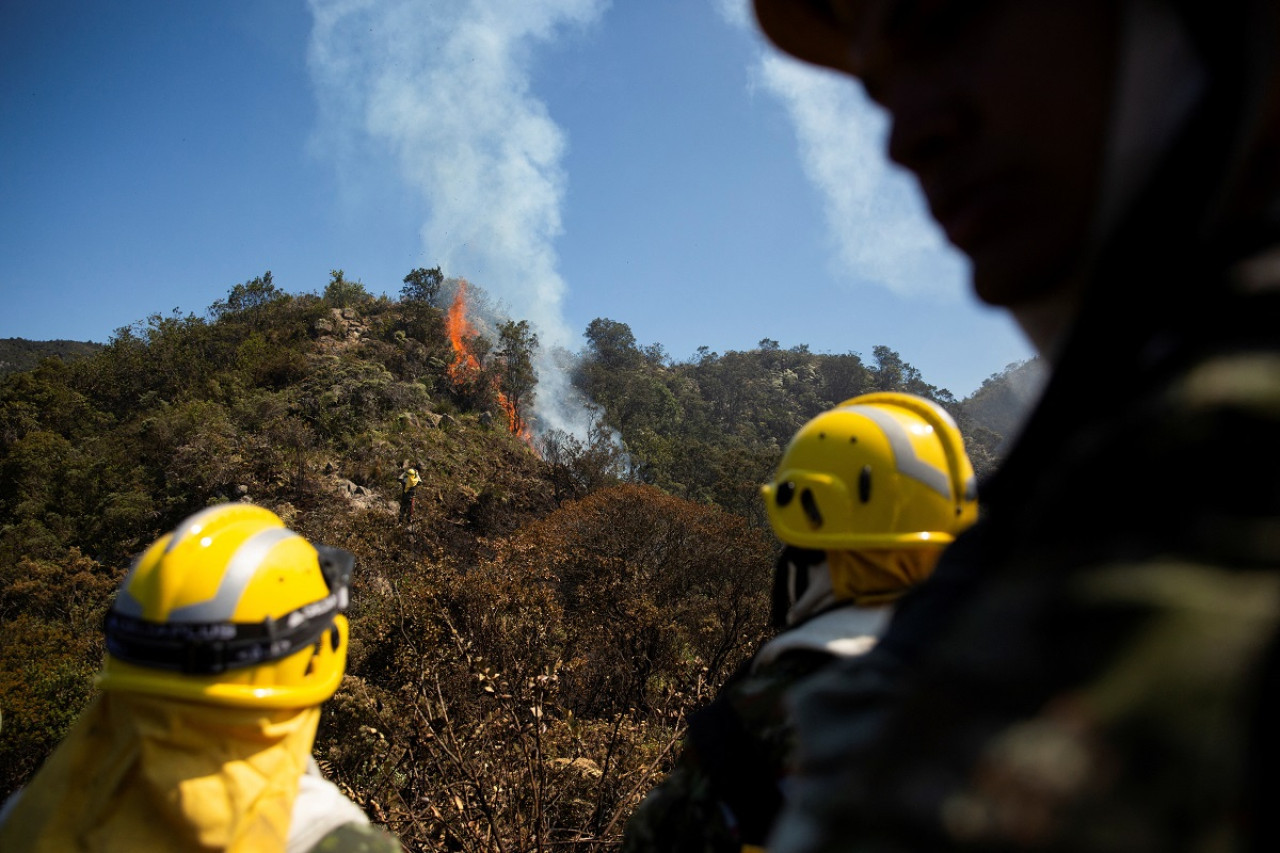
pixel 515 423
pixel 465 366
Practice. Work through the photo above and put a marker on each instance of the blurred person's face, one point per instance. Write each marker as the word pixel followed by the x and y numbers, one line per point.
pixel 1000 109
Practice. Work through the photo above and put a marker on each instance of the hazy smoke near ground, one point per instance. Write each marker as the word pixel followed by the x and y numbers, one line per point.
pixel 442 87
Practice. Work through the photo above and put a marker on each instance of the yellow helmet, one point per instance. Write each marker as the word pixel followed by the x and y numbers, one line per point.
pixel 231 608
pixel 883 470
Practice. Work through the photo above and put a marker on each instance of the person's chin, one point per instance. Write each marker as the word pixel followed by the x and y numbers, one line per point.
pixel 1016 268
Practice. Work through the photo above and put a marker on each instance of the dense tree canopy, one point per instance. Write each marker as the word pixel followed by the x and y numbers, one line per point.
pixel 558 607
pixel 712 428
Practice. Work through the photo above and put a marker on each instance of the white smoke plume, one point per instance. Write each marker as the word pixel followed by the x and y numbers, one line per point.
pixel 444 87
pixel 877 223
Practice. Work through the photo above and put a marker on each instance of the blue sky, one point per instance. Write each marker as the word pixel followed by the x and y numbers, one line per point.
pixel 651 162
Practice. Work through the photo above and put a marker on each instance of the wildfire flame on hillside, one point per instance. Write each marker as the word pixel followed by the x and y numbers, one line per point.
pixel 465 367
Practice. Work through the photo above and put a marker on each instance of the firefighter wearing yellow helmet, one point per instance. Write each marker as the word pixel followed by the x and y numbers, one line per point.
pixel 880 484
pixel 864 499
pixel 409 482
pixel 224 639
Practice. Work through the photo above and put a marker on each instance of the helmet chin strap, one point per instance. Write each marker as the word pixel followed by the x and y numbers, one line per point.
pixel 801 585
pixel 817 598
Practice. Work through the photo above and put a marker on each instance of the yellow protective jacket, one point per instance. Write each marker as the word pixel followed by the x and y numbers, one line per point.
pixel 145 773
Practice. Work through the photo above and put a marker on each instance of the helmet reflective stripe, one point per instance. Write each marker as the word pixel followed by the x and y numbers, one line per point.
pixel 947 432
pixel 240 570
pixel 882 470
pixel 231 608
pixel 904 452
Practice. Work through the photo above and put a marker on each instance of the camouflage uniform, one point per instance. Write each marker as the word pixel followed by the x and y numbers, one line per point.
pixel 358 838
pixel 729 781
pixel 851 551
pixel 1095 665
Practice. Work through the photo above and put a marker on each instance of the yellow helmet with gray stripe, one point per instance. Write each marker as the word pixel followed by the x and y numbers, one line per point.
pixel 231 608
pixel 883 470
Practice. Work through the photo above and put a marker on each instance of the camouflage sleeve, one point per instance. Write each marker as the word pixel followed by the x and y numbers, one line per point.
pixel 1106 686
pixel 726 786
pixel 1127 732
pixel 358 838
pixel 836 716
pixel 1148 750
pixel 681 815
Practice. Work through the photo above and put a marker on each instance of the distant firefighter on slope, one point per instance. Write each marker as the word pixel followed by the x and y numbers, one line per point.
pixel 409 481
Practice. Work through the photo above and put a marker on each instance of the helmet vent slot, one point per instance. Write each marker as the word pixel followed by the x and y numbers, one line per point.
pixel 810 505
pixel 864 484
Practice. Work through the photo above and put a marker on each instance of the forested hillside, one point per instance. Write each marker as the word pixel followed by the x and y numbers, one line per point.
pixel 712 429
pixel 20 354
pixel 524 654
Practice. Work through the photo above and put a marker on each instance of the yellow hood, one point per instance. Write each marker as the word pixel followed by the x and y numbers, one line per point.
pixel 145 773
